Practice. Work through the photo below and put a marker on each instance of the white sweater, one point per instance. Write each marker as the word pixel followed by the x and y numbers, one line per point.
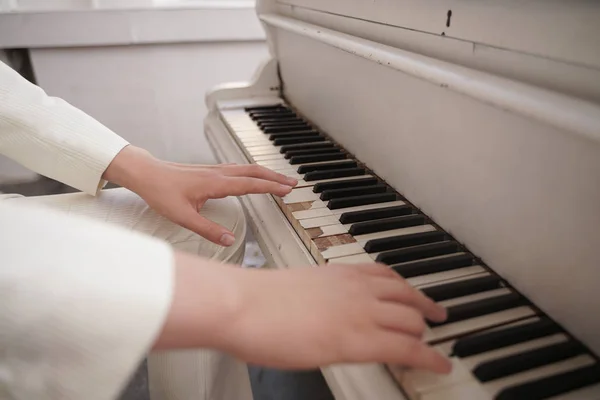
pixel 81 302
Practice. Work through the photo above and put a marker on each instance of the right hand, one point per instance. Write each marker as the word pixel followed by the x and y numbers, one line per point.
pixel 312 317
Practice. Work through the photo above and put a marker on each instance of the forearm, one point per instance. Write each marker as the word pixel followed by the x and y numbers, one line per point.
pixel 51 137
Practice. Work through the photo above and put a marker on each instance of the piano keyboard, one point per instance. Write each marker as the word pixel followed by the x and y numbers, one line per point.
pixel 501 345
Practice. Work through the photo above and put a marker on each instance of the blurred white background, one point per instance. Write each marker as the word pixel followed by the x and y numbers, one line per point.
pixel 141 67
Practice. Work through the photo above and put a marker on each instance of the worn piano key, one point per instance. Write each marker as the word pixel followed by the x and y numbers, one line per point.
pixel 327 165
pixel 346 183
pixel 352 191
pixel 294 153
pixel 333 173
pixel 331 156
pixel 487 341
pixel 307 146
pixel 385 224
pixel 462 287
pixel 298 140
pixel 417 252
pixel 352 201
pixel 513 364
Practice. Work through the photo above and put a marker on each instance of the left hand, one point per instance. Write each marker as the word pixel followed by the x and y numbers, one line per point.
pixel 178 191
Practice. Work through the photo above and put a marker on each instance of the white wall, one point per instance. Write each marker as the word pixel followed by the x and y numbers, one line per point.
pixel 142 72
pixel 152 95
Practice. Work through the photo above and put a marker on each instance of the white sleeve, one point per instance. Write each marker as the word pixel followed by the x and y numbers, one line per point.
pixel 81 302
pixel 51 137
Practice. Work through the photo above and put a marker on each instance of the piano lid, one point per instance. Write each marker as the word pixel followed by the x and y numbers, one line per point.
pixel 492 129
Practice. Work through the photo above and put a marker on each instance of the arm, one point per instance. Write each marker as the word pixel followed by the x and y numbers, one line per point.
pixel 51 137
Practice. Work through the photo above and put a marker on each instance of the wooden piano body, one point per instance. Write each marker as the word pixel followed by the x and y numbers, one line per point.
pixel 484 115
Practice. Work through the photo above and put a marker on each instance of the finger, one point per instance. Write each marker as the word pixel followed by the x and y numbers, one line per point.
pixel 258 171
pixel 400 291
pixel 239 186
pixel 394 316
pixel 397 348
pixel 190 219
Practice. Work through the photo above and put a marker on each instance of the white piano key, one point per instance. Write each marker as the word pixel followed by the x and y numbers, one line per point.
pixel 473 389
pixel 331 230
pixel 274 163
pixel 459 279
pixel 474 324
pixel 342 250
pixel 266 157
pixel 300 195
pixel 445 276
pixel 586 393
pixel 339 211
pixel 319 222
pixel 474 297
pixel 394 232
pixel 353 259
pixel 349 178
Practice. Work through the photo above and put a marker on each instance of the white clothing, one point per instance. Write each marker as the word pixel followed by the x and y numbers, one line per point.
pixel 75 317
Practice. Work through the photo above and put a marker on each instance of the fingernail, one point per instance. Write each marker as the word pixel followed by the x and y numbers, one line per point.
pixel 227 239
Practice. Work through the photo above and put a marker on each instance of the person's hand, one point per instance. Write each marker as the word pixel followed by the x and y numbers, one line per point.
pixel 178 191
pixel 306 317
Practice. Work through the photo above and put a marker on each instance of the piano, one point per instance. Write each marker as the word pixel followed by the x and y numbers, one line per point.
pixel 457 142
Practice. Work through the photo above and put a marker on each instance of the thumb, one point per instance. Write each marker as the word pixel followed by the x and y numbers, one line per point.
pixel 206 228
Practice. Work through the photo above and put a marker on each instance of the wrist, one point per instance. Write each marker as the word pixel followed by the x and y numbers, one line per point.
pixel 130 167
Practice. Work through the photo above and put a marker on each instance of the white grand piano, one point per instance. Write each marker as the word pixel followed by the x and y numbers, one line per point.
pixel 456 141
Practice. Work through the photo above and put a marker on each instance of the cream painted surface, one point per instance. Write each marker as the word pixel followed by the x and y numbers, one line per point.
pixel 152 95
pixel 522 195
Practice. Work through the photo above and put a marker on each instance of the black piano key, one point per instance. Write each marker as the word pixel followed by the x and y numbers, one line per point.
pixel 294 153
pixel 353 191
pixel 272 115
pixel 303 169
pixel 266 108
pixel 369 215
pixel 298 140
pixel 305 146
pixel 474 309
pixel 554 385
pixel 287 128
pixel 386 224
pixel 510 365
pixel 424 267
pixel 403 241
pixel 496 339
pixel 353 201
pixel 279 122
pixel 287 135
pixel 466 287
pixel 317 158
pixel 346 183
pixel 417 252
pixel 333 173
